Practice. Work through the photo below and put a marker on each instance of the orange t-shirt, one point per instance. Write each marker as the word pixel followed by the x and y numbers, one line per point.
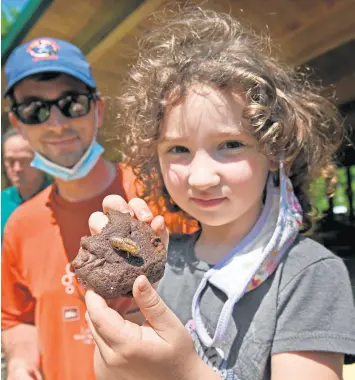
pixel 41 239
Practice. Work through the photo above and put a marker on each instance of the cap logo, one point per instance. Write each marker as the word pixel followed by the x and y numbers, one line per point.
pixel 43 49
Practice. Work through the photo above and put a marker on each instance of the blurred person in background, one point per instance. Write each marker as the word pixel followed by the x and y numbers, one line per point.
pixel 25 180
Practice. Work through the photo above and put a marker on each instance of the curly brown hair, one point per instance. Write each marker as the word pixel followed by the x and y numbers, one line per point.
pixel 285 112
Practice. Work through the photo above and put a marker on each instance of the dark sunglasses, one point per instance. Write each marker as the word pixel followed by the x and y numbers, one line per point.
pixel 38 111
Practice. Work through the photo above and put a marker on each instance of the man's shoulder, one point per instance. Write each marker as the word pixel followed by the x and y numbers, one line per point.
pixel 10 200
pixel 33 208
pixel 176 222
pixel 8 192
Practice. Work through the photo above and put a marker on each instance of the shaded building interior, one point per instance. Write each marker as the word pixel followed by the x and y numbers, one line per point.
pixel 317 35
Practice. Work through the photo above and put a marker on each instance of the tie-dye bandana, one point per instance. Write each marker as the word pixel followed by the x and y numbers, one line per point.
pixel 247 266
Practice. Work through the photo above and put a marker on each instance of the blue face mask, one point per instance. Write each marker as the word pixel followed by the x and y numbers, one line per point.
pixel 79 170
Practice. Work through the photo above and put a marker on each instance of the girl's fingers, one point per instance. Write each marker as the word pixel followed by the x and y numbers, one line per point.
pixel 101 344
pixel 117 203
pixel 165 323
pixel 141 209
pixel 143 213
pixel 99 341
pixel 104 322
pixel 93 304
pixel 97 222
pixel 158 226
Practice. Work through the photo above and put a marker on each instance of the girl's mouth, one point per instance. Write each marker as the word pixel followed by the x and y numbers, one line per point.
pixel 213 202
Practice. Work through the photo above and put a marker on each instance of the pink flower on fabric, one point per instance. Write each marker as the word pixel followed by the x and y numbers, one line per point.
pixel 256 281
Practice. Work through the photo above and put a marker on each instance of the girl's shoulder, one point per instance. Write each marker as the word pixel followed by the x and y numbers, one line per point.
pixel 311 271
pixel 306 255
pixel 304 244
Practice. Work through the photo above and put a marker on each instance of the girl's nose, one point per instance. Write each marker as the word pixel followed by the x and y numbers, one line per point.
pixel 202 175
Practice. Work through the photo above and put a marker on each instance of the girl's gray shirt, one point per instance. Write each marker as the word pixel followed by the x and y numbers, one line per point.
pixel 306 305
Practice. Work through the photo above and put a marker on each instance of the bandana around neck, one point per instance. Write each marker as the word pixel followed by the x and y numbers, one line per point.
pixel 255 258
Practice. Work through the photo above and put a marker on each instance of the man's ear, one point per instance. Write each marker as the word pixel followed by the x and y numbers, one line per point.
pixel 16 123
pixel 13 119
pixel 100 112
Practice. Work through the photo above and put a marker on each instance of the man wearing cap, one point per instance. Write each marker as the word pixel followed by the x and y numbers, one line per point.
pixel 56 107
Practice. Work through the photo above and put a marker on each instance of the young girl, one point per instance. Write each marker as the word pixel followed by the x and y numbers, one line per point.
pixel 218 129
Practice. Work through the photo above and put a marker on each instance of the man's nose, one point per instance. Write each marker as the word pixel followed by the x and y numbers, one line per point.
pixel 202 173
pixel 56 118
pixel 17 166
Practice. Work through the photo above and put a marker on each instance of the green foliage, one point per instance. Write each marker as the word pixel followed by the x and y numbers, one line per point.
pixel 352 172
pixel 318 191
pixel 340 198
pixel 8 16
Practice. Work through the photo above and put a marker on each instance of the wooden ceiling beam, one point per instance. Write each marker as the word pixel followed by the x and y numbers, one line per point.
pixel 121 30
pixel 103 22
pixel 332 29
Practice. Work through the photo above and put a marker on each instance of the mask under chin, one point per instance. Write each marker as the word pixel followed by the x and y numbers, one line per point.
pixel 79 170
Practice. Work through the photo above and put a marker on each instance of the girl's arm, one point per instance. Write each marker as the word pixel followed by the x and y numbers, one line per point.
pixel 307 366
pixel 160 349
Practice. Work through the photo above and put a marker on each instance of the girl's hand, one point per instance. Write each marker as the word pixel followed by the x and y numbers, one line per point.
pixel 160 349
pixel 138 208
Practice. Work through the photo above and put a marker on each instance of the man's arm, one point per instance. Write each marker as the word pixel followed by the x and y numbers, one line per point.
pixel 20 344
pixel 19 335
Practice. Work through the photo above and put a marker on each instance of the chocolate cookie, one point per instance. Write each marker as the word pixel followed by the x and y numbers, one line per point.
pixel 126 248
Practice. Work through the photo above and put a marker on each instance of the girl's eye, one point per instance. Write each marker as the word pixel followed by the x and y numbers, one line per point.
pixel 178 150
pixel 232 145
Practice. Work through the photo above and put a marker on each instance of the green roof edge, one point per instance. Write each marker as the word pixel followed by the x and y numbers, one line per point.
pixel 24 22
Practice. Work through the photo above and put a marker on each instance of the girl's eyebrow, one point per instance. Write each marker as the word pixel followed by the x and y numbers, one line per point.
pixel 229 132
pixel 231 127
pixel 167 139
pixel 225 131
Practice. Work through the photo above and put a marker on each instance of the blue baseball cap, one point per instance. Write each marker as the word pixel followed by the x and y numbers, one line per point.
pixel 47 54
